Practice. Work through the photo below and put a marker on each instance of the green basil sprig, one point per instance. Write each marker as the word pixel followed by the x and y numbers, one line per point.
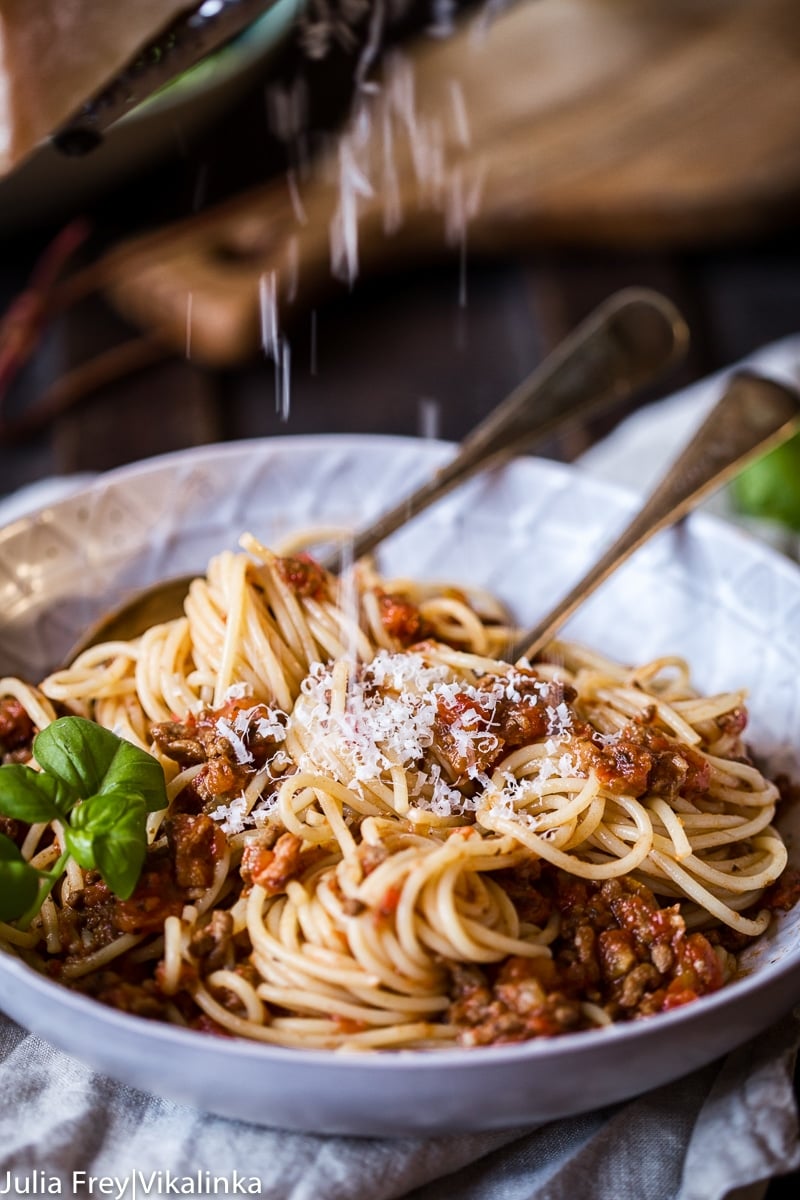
pixel 770 486
pixel 100 788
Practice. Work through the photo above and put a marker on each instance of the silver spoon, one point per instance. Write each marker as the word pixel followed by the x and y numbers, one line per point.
pixel 753 415
pixel 622 346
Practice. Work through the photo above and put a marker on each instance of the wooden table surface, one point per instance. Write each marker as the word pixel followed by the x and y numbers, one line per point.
pixel 398 353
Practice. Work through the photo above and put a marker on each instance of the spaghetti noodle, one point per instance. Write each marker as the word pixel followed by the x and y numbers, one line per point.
pixel 382 835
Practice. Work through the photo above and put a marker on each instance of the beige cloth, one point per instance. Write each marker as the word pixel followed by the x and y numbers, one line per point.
pixel 722 1128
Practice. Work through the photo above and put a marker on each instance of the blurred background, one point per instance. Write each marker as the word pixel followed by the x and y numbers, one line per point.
pixel 378 215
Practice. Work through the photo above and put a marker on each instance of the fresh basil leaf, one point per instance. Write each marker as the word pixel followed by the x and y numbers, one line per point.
pixel 9 851
pixel 89 759
pixel 110 829
pixel 103 784
pixel 19 882
pixel 81 846
pixel 101 814
pixel 135 771
pixel 32 795
pixel 76 751
pixel 770 486
pixel 96 817
pixel 120 857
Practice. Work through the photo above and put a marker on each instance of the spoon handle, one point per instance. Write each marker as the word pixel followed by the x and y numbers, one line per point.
pixel 622 345
pixel 753 415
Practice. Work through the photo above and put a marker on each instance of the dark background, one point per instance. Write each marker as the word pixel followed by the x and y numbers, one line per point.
pixel 385 348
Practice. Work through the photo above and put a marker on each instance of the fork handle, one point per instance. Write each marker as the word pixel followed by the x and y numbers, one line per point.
pixel 753 415
pixel 625 343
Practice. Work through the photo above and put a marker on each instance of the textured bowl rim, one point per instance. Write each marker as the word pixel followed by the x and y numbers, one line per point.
pixel 405 1061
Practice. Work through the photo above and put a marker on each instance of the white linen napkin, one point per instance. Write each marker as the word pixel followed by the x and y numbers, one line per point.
pixel 723 1128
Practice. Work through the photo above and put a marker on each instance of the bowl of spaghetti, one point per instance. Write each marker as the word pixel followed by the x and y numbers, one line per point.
pixel 395 881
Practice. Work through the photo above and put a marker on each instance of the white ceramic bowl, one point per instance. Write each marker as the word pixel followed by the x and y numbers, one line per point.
pixel 705 590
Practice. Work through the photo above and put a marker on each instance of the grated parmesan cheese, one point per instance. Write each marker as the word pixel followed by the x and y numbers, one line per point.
pixel 388 719
pixel 226 730
pixel 231 817
pixel 247 720
pixel 234 817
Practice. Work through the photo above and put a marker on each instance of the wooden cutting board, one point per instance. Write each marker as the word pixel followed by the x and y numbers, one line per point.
pixel 622 123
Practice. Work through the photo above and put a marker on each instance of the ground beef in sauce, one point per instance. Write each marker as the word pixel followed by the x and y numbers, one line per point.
pixel 142 999
pixel 401 619
pixel 789 791
pixel 784 893
pixel 16 731
pixel 199 740
pixel 639 760
pixel 616 948
pixel 273 869
pixel 94 916
pixel 509 716
pixel 90 920
pixel 211 942
pixel 304 575
pixel 193 842
pixel 156 897
pixel 11 828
